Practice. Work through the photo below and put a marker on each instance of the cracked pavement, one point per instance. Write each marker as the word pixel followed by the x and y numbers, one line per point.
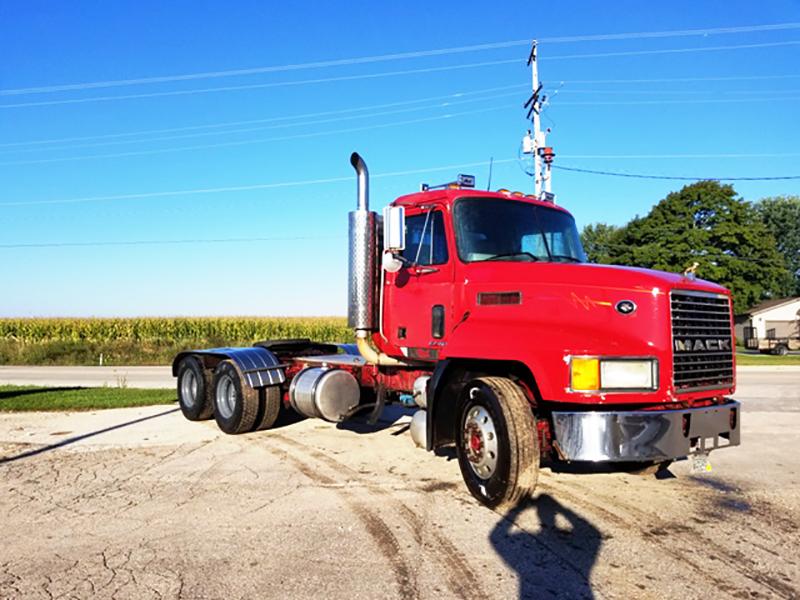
pixel 157 507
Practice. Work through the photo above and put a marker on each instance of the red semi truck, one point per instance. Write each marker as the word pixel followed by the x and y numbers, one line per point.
pixel 481 307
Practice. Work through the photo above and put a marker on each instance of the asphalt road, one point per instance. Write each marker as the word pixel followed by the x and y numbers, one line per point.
pixel 139 503
pixel 134 377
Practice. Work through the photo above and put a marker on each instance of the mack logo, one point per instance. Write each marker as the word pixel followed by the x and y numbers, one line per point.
pixel 709 345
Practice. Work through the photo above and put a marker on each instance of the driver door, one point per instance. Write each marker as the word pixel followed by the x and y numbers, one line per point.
pixel 418 308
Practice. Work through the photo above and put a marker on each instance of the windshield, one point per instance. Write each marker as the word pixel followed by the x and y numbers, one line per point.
pixel 497 229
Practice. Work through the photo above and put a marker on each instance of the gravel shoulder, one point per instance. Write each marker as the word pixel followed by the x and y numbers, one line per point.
pixel 138 503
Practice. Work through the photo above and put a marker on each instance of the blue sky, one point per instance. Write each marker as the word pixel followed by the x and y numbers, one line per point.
pixel 595 124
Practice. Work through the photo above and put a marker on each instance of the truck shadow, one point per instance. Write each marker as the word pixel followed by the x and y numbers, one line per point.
pixel 78 438
pixel 389 419
pixel 589 468
pixel 556 561
pixel 6 394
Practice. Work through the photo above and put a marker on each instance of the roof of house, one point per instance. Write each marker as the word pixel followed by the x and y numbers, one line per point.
pixel 769 304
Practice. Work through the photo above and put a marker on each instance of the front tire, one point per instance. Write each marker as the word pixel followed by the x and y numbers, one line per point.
pixel 781 350
pixel 497 442
pixel 193 393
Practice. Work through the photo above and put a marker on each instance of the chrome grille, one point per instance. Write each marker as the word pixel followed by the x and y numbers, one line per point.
pixel 702 345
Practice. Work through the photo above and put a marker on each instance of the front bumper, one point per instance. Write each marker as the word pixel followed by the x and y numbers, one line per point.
pixel 645 435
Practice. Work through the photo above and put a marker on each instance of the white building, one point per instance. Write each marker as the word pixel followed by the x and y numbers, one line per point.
pixel 771 319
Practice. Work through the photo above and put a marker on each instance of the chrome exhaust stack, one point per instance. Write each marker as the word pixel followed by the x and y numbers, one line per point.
pixel 361 271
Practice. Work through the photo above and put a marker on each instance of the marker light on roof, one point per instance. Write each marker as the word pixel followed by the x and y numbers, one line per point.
pixel 467 181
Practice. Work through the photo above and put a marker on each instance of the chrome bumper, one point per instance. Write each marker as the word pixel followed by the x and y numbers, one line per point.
pixel 645 435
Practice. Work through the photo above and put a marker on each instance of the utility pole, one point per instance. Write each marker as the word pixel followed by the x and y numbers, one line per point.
pixel 535 141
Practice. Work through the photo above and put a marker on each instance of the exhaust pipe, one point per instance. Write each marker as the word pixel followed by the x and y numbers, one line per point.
pixel 363 180
pixel 362 235
pixel 361 286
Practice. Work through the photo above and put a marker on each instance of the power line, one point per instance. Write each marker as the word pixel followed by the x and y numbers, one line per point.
pixel 681 101
pixel 673 177
pixel 673 50
pixel 195 134
pixel 691 92
pixel 388 74
pixel 267 119
pixel 674 33
pixel 762 97
pixel 168 242
pixel 395 56
pixel 329 180
pixel 255 86
pixel 420 100
pixel 248 188
pixel 685 79
pixel 312 134
pixel 682 156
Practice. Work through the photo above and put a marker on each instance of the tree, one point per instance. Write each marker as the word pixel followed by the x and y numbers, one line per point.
pixel 781 215
pixel 707 223
pixel 598 241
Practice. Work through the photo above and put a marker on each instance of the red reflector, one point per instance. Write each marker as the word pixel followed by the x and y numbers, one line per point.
pixel 495 298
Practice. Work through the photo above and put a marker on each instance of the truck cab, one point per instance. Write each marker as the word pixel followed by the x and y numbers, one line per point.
pixel 481 307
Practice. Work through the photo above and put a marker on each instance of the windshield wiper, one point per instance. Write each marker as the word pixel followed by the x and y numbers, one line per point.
pixel 511 255
pixel 569 258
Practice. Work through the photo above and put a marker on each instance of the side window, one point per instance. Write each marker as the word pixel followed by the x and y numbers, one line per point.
pixel 426 242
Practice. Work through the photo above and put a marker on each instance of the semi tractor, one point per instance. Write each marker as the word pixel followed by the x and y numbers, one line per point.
pixel 481 309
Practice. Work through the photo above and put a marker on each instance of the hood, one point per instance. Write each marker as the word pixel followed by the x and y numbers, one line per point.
pixel 586 275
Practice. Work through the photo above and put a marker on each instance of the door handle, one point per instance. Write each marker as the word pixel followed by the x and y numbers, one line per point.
pixel 417 270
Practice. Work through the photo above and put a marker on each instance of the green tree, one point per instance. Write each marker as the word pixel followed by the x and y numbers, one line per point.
pixel 598 241
pixel 781 215
pixel 707 223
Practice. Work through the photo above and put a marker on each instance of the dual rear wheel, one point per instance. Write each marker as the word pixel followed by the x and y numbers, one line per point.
pixel 235 406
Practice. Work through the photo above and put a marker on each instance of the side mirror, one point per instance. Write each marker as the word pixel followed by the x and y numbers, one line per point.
pixel 394 238
pixel 394 229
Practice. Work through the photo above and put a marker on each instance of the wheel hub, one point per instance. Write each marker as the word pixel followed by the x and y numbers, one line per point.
pixel 480 442
pixel 226 396
pixel 189 388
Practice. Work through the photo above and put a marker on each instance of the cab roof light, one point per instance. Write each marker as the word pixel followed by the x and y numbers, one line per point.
pixel 462 181
pixel 467 181
pixel 548 197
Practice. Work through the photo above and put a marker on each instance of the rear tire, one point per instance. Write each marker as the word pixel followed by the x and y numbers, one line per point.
pixel 497 442
pixel 193 394
pixel 235 404
pixel 781 350
pixel 269 407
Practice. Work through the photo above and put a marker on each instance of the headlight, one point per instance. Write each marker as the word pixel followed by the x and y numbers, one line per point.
pixel 608 374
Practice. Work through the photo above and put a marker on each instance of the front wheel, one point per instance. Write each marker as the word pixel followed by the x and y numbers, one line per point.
pixel 497 442
pixel 781 350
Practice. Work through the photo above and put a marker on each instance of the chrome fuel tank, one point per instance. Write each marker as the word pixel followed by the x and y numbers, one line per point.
pixel 324 393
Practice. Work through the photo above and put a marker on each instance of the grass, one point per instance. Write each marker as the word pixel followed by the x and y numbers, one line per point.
pixel 15 398
pixel 148 341
pixel 766 360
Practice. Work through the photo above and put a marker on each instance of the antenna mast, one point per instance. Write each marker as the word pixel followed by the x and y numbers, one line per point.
pixel 535 141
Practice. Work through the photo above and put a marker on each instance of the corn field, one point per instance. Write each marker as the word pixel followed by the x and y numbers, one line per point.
pixel 230 329
pixel 132 341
